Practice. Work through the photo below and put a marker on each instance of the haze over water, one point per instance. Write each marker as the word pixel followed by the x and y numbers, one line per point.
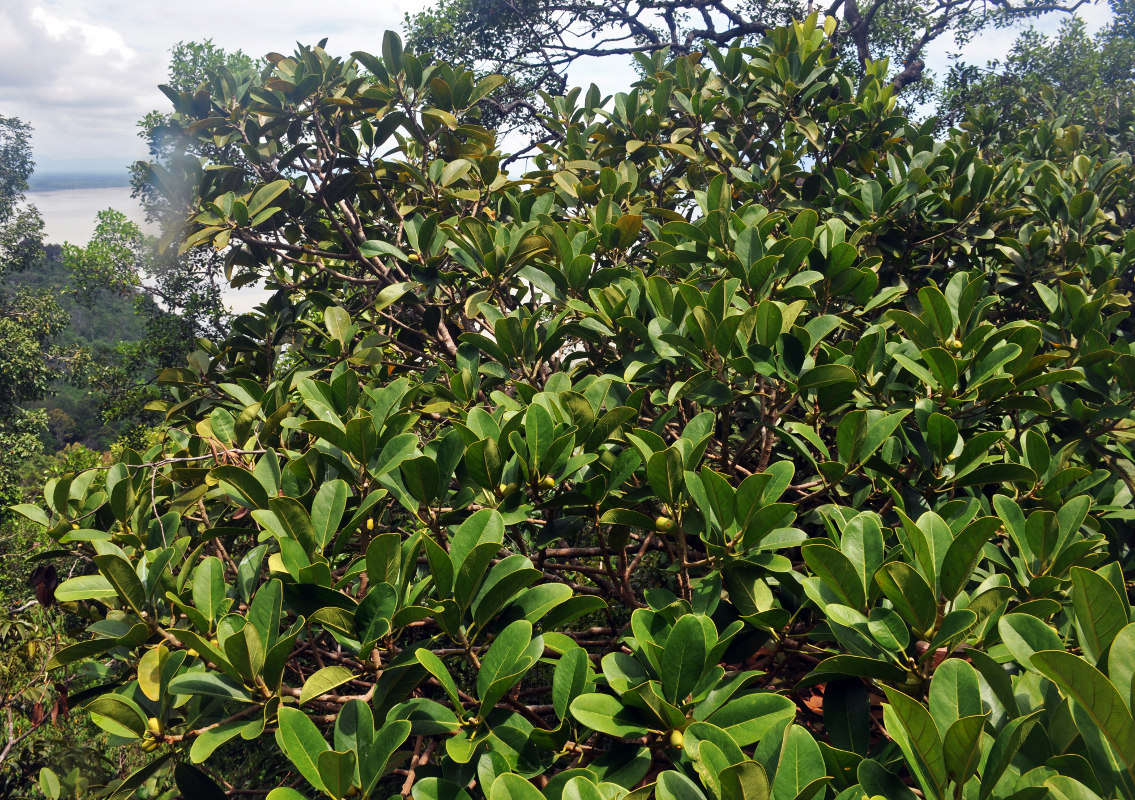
pixel 69 214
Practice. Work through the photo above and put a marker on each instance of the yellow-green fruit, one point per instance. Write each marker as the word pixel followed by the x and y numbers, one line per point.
pixel 370 524
pixel 150 745
pixel 154 726
pixel 677 739
pixel 413 258
pixel 548 482
pixel 214 642
pixel 192 653
pixel 664 524
pixel 953 343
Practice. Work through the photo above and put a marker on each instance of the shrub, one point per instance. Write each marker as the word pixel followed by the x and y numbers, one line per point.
pixel 746 409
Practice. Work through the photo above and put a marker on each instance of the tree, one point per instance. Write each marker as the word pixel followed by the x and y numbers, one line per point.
pixel 178 298
pixel 1090 82
pixel 750 407
pixel 190 65
pixel 535 42
pixel 187 285
pixel 28 320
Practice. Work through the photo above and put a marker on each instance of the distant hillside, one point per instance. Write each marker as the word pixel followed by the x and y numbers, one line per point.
pixel 55 181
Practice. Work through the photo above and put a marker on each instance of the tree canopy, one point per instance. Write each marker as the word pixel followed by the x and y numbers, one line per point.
pixel 535 42
pixel 750 442
pixel 28 320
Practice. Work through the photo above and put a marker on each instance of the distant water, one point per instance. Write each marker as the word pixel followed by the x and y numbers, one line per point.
pixel 69 214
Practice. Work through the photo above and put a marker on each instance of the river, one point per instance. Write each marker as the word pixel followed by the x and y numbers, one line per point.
pixel 69 214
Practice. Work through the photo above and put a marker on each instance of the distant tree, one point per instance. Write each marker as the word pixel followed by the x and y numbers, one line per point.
pixel 177 298
pixel 29 320
pixel 1089 81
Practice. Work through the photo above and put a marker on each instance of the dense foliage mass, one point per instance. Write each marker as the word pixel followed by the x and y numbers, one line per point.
pixel 535 42
pixel 750 442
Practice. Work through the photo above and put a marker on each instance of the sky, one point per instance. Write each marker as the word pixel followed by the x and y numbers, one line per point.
pixel 82 72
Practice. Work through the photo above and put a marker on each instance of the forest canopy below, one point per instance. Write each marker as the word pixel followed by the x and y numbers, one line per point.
pixel 741 436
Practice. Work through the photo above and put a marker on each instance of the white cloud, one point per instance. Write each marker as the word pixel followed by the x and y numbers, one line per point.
pixel 83 73
pixel 99 39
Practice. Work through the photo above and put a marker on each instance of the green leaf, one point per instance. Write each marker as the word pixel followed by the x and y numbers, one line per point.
pixel 962 747
pixel 437 789
pixel 285 793
pixel 837 571
pixel 511 786
pixel 117 715
pixel 964 553
pixel 683 658
pixel 263 196
pixel 373 248
pixel 150 672
pixel 374 614
pixel 665 472
pixel 508 658
pixel 327 511
pixel 31 512
pixel 570 679
pixel 323 681
pixel 337 771
pixel 209 740
pixel 1005 748
pixel 80 651
pixel 122 577
pixel 209 587
pixel 676 786
pixel 748 718
pixel 744 781
pixel 127 788
pixel 801 763
pixel 1087 686
pixel 605 714
pixel 1121 664
pixel 847 712
pixel 955 692
pixel 211 684
pixel 913 729
pixel 247 488
pixel 1024 634
pixel 85 587
pixel 302 743
pixel 827 375
pixel 193 782
pixel 911 595
pixel 1100 612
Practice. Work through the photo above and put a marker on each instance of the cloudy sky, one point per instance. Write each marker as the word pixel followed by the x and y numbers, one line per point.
pixel 82 72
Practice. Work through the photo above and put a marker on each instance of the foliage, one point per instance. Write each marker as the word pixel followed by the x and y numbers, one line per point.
pixel 749 410
pixel 28 320
pixel 535 42
pixel 1090 81
pixel 166 294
